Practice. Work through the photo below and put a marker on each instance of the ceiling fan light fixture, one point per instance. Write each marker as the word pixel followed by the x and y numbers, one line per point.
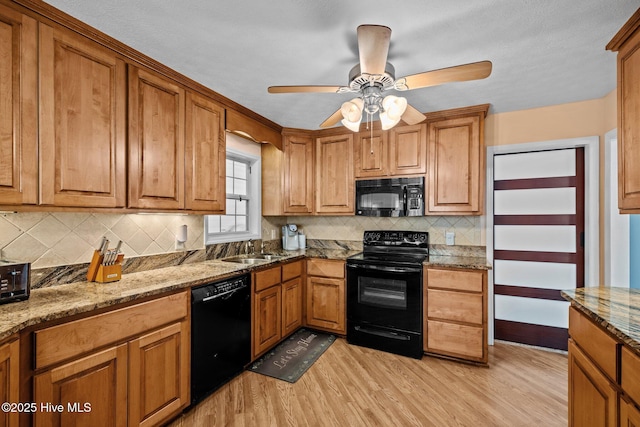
pixel 352 126
pixel 387 122
pixel 394 106
pixel 352 110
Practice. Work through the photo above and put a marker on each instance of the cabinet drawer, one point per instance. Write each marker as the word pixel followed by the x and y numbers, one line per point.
pixel 630 373
pixel 599 345
pixel 471 281
pixel 291 270
pixel 456 306
pixel 325 268
pixel 455 340
pixel 58 343
pixel 266 278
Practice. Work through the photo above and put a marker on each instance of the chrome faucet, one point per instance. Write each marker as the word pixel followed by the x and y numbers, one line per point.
pixel 249 246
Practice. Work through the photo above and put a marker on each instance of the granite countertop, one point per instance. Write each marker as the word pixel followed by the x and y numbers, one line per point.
pixel 615 309
pixel 474 263
pixel 61 301
pixel 56 302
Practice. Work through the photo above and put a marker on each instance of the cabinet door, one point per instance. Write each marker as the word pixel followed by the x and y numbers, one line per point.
pixel 593 400
pixel 628 123
pixel 156 141
pixel 456 159
pixel 371 154
pixel 291 305
pixel 18 109
pixel 82 122
pixel 334 175
pixel 205 155
pixel 98 380
pixel 159 375
pixel 326 304
pixel 9 381
pixel 629 413
pixel 298 174
pixel 408 150
pixel 267 319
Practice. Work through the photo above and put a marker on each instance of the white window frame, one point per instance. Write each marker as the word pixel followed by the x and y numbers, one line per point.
pixel 254 195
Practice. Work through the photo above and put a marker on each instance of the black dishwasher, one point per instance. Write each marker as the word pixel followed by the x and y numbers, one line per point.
pixel 220 334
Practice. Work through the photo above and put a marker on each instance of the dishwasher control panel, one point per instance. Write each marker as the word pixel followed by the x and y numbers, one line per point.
pixel 219 289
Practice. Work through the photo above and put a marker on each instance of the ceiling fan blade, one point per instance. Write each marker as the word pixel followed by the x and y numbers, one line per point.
pixel 412 116
pixel 373 48
pixel 332 120
pixel 304 89
pixel 459 73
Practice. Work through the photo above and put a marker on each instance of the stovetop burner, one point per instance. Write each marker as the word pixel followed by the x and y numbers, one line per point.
pixel 393 247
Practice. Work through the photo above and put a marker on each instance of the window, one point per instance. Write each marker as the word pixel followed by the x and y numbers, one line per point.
pixel 243 205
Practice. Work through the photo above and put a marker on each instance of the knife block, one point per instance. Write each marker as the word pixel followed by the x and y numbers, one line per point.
pixel 98 272
pixel 109 273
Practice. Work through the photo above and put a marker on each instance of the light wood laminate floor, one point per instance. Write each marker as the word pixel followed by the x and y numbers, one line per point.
pixel 356 386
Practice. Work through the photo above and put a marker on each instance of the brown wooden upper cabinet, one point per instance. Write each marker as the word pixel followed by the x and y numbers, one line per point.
pixel 455 182
pixel 156 141
pixel 408 150
pixel 82 122
pixel 335 180
pixel 298 174
pixel 18 109
pixel 205 155
pixel 627 43
pixel 311 176
pixel 371 153
pixel 399 151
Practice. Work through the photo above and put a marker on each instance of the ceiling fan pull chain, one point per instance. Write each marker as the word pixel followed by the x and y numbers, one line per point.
pixel 371 139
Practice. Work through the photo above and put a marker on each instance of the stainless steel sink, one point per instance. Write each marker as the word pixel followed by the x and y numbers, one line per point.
pixel 246 260
pixel 253 259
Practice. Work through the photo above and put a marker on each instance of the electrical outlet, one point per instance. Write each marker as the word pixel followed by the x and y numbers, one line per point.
pixel 273 234
pixel 450 238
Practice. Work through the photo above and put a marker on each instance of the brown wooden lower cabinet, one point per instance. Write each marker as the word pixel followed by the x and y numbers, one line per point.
pixel 276 305
pixel 9 380
pixel 604 376
pixel 138 377
pixel 325 295
pixel 629 413
pixel 593 398
pixel 455 314
pixel 98 380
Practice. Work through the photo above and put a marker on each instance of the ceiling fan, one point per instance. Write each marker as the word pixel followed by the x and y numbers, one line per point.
pixel 374 75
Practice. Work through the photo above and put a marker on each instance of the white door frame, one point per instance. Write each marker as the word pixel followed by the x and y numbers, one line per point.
pixel 616 226
pixel 591 146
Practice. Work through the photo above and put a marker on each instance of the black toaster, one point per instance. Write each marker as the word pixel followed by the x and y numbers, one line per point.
pixel 14 281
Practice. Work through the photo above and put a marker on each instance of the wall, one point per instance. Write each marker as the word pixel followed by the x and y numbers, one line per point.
pixel 467 229
pixel 49 239
pixel 634 251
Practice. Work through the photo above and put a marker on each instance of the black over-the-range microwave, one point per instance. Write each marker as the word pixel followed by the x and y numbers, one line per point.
pixel 390 197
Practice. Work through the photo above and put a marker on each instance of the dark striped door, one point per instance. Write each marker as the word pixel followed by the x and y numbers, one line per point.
pixel 538 243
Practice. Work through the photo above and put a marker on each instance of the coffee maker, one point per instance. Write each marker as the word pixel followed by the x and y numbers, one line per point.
pixel 290 237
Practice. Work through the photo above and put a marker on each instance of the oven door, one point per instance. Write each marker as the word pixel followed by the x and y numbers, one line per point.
pixel 385 296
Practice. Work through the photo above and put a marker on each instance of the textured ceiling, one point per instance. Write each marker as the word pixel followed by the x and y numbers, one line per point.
pixel 543 52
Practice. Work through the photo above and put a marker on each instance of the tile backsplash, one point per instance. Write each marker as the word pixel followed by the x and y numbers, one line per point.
pixel 58 238
pixel 49 239
pixel 467 229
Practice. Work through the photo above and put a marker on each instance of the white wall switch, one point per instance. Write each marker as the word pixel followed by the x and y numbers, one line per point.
pixel 450 238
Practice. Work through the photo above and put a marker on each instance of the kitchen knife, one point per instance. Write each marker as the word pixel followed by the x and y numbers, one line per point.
pixel 116 252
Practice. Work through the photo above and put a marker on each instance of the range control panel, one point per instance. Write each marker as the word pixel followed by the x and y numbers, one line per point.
pixel 396 238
